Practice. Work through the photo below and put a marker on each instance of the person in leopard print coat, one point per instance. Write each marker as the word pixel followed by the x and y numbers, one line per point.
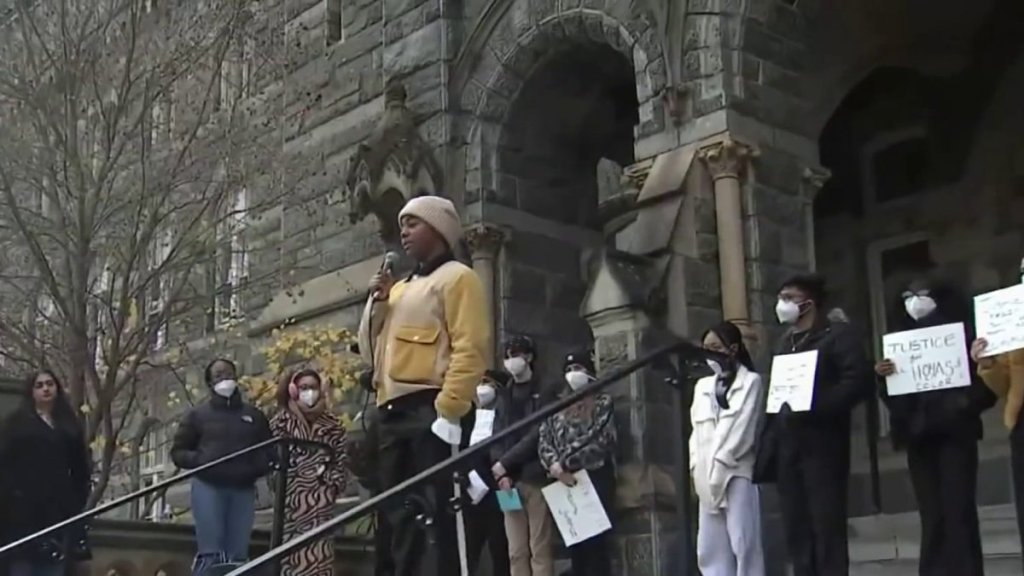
pixel 316 478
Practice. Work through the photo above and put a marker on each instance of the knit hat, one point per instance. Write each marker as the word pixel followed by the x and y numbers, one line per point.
pixel 583 358
pixel 439 213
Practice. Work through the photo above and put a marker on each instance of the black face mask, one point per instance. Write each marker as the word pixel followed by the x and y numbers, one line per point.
pixel 724 381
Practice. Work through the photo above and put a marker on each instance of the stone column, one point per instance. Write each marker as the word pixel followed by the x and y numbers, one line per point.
pixel 485 241
pixel 727 163
pixel 811 182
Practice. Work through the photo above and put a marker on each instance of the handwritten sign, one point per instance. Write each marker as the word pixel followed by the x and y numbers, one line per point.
pixel 792 381
pixel 577 510
pixel 933 358
pixel 999 317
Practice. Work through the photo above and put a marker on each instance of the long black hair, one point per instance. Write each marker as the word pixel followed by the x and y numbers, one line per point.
pixel 730 336
pixel 63 414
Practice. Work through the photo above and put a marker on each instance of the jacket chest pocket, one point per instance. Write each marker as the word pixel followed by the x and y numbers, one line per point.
pixel 704 412
pixel 414 354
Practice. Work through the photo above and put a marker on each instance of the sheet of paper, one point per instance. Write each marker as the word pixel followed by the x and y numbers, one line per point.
pixel 999 318
pixel 509 500
pixel 477 488
pixel 577 510
pixel 933 358
pixel 792 381
pixel 483 428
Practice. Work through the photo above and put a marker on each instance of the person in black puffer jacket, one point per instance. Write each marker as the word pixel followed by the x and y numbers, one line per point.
pixel 223 497
pixel 940 431
pixel 530 531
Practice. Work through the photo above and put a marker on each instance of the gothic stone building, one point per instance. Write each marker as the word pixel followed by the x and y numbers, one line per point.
pixel 629 167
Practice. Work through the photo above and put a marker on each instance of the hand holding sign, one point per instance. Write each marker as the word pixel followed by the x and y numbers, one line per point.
pixel 999 316
pixel 792 381
pixel 933 358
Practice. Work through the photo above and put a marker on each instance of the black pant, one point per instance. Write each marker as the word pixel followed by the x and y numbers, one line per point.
pixel 945 477
pixel 592 557
pixel 1017 463
pixel 812 481
pixel 408 447
pixel 485 526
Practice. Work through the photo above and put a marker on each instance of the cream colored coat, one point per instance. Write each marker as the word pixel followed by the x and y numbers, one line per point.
pixel 722 442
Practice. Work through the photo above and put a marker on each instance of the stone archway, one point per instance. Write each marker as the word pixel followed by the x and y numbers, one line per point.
pixel 521 42
pixel 551 94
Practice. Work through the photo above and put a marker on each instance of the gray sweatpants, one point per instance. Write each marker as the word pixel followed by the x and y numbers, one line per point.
pixel 729 541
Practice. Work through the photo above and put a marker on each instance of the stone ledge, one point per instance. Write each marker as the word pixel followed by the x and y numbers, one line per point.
pixel 313 298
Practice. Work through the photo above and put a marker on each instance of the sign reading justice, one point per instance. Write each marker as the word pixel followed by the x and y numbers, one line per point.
pixel 926 359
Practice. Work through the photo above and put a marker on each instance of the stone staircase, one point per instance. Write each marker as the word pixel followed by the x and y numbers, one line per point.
pixel 888 545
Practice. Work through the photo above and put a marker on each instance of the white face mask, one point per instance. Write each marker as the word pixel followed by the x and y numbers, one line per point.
pixel 517 366
pixel 919 306
pixel 309 397
pixel 577 379
pixel 225 388
pixel 787 312
pixel 484 394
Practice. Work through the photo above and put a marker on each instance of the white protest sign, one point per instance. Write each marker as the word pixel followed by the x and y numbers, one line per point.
pixel 577 510
pixel 483 427
pixel 932 358
pixel 999 317
pixel 792 381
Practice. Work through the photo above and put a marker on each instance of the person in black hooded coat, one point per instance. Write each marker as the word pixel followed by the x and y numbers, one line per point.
pixel 940 430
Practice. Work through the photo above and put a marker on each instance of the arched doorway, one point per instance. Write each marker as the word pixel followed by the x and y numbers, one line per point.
pixel 909 193
pixel 566 106
pixel 578 106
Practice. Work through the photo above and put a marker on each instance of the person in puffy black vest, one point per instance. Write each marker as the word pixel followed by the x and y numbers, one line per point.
pixel 223 497
pixel 44 478
pixel 940 430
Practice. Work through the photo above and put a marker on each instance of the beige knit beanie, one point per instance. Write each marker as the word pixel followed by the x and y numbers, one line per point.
pixel 439 213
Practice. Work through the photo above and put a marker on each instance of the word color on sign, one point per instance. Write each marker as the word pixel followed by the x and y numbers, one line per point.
pixel 999 317
pixel 792 381
pixel 933 358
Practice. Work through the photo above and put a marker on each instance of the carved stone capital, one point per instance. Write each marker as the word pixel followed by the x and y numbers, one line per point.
pixel 636 174
pixel 484 240
pixel 727 159
pixel 812 180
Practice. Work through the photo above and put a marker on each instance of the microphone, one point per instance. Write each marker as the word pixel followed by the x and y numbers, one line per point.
pixel 388 267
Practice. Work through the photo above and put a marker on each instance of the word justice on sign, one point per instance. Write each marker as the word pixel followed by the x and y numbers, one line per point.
pixel 933 358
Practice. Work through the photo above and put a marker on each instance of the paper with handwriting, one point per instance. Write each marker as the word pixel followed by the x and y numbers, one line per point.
pixel 577 510
pixel 933 358
pixel 792 381
pixel 999 317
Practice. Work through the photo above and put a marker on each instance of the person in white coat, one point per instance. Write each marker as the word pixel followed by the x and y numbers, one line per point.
pixel 725 413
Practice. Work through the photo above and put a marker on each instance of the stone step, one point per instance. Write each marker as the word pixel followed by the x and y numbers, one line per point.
pixel 994 566
pixel 889 545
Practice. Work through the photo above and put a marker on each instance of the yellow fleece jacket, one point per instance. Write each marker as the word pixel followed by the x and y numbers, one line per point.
pixel 1004 374
pixel 433 332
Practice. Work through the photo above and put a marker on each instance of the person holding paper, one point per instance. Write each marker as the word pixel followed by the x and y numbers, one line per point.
pixel 808 453
pixel 1004 374
pixel 485 524
pixel 583 437
pixel 940 430
pixel 725 413
pixel 430 336
pixel 516 467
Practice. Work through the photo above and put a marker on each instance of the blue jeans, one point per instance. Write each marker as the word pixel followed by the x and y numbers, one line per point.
pixel 223 518
pixel 26 568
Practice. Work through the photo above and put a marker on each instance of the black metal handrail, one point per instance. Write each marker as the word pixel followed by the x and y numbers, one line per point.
pixel 280 466
pixel 681 350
